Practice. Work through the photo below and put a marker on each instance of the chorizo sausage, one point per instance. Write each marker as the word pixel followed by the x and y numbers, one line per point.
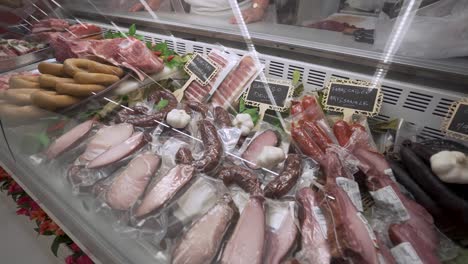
pixel 244 178
pixel 138 115
pixel 321 138
pixel 342 132
pixel 197 107
pixel 184 156
pixel 286 180
pixel 213 149
pixel 306 144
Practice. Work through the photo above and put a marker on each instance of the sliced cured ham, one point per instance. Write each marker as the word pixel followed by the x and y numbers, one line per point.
pixel 246 242
pixel 130 184
pixel 165 189
pixel 267 138
pixel 68 139
pixel 201 242
pixel 118 152
pixel 235 82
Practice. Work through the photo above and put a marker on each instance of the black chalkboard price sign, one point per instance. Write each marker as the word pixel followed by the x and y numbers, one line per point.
pixel 274 93
pixel 201 68
pixel 457 125
pixel 355 96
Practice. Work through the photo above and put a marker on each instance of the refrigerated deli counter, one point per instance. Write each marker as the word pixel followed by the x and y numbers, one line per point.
pixel 243 131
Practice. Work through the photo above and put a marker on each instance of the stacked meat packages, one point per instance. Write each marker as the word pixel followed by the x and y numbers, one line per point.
pixel 203 190
pixel 14 47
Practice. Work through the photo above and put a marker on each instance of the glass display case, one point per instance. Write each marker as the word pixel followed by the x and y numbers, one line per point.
pixel 171 131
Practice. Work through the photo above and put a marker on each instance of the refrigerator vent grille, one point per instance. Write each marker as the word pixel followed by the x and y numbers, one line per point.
pixel 417 101
pixel 420 105
pixel 443 107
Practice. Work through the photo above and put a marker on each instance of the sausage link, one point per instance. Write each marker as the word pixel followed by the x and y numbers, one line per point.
pixel 321 138
pixel 222 117
pixel 342 132
pixel 213 149
pixel 244 178
pixel 306 144
pixel 286 180
pixel 184 156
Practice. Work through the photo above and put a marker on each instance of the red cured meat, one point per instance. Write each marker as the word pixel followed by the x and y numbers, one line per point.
pixel 51 24
pixel 320 137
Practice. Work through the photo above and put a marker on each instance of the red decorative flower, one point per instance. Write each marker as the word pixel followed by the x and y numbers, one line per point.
pixel 84 259
pixel 74 247
pixel 14 188
pixel 22 211
pixel 70 260
pixel 24 200
pixel 43 227
pixel 38 215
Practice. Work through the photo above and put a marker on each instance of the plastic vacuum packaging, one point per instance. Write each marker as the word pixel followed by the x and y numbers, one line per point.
pixel 105 152
pixel 240 77
pixel 228 134
pixel 246 243
pixel 202 240
pixel 281 231
pixel 267 148
pixel 226 61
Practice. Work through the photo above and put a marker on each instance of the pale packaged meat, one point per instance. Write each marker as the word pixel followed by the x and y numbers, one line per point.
pixel 246 242
pixel 281 233
pixel 68 139
pixel 236 81
pixel 130 184
pixel 165 189
pixel 203 239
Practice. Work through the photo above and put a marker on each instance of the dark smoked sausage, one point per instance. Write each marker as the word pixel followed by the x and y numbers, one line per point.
pixel 286 180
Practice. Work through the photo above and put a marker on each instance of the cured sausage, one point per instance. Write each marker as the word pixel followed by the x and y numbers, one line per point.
pixel 73 66
pixel 342 132
pixel 138 115
pixel 244 178
pixel 197 107
pixel 51 100
pixel 222 117
pixel 80 90
pixel 306 144
pixel 95 78
pixel 51 81
pixel 213 148
pixel 55 69
pixel 320 137
pixel 286 180
pixel 184 156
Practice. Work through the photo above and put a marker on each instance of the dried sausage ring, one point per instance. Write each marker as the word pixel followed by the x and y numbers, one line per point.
pixel 73 66
pixel 22 81
pixel 79 90
pixel 95 78
pixel 55 69
pixel 51 81
pixel 51 100
pixel 21 113
pixel 19 96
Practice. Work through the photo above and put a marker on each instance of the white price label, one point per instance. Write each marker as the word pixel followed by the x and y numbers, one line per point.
pixel 320 217
pixel 390 174
pixel 404 253
pixel 352 189
pixel 369 229
pixel 387 198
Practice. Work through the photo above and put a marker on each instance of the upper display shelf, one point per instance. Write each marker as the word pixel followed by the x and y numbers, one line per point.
pixel 422 36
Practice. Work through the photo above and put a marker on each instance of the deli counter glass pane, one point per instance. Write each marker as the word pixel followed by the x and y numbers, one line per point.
pixel 422 33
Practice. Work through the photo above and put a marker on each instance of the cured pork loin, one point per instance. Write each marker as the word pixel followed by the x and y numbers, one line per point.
pixel 165 189
pixel 280 241
pixel 246 243
pixel 68 139
pixel 130 184
pixel 203 239
pixel 235 82
pixel 197 92
pixel 267 138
